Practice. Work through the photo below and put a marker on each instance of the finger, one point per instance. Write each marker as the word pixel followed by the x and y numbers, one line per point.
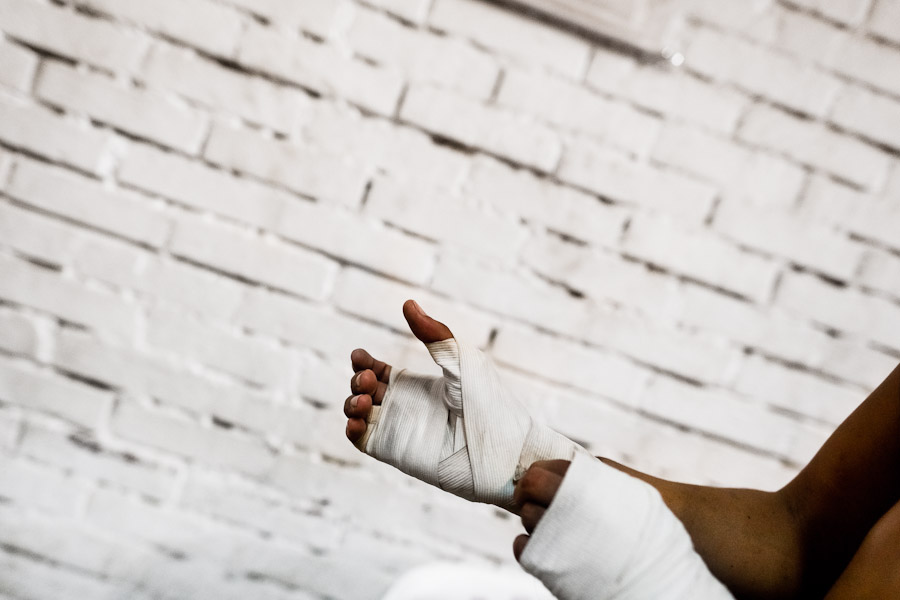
pixel 519 545
pixel 364 382
pixel 357 407
pixel 531 514
pixel 425 328
pixel 537 486
pixel 355 429
pixel 380 391
pixel 361 360
pixel 554 466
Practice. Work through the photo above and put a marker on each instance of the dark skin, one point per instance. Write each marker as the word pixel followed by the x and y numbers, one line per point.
pixel 833 532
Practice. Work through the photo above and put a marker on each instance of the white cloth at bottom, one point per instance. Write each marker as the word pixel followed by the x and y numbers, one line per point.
pixel 608 535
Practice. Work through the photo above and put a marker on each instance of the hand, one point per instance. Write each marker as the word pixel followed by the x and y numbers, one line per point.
pixel 533 494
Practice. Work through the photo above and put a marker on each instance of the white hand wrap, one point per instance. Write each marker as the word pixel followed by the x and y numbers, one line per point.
pixel 609 535
pixel 460 432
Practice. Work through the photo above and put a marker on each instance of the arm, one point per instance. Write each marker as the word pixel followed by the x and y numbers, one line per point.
pixel 797 541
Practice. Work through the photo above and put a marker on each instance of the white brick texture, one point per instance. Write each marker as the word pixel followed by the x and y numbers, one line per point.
pixel 206 205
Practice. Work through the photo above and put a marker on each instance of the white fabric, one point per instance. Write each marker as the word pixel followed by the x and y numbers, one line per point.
pixel 460 432
pixel 609 535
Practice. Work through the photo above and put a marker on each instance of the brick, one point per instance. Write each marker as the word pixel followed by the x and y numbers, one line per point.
pixel 446 218
pixel 36 235
pixel 43 132
pixel 854 362
pixel 700 255
pixel 210 446
pixel 848 12
pixel 322 430
pixel 761 71
pixel 423 56
pixel 695 357
pixel 166 380
pixel 486 127
pixel 622 179
pixel 185 285
pixel 358 239
pixel 892 188
pixel 20 333
pixel 520 193
pixel 322 572
pixel 570 364
pixel 797 391
pixel 247 506
pixel 255 258
pixel 201 23
pixel 881 271
pixel 38 579
pixel 10 424
pixel 17 66
pixel 871 218
pixel 721 414
pixel 648 445
pixel 569 106
pixel 884 18
pixel 845 309
pixel 48 291
pixel 675 94
pixel 706 156
pixel 815 145
pixel 28 484
pixel 865 60
pixel 377 299
pixel 776 334
pixel 320 67
pixel 405 153
pixel 91 460
pixel 623 282
pixel 512 294
pixel 175 531
pixel 321 379
pixel 200 186
pixel 766 181
pixel 142 113
pixel 318 17
pixel 43 391
pixel 299 168
pixel 808 37
pixel 331 334
pixel 807 244
pixel 413 11
pixel 524 39
pixel 69 543
pixel 754 19
pixel 875 116
pixel 90 202
pixel 252 98
pixel 68 33
pixel 247 358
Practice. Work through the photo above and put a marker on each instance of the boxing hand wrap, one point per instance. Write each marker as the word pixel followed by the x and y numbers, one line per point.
pixel 461 432
pixel 609 535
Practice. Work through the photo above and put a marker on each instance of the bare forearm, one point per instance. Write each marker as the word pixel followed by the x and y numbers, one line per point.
pixel 748 538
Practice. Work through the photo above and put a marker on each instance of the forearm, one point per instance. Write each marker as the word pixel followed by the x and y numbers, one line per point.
pixel 749 539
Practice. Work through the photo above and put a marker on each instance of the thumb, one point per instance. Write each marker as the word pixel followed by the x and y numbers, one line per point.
pixel 424 327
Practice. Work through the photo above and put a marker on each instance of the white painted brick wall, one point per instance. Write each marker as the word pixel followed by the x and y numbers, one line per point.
pixel 205 205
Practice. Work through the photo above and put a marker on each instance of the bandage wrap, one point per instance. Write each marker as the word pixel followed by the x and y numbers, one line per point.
pixel 461 432
pixel 609 535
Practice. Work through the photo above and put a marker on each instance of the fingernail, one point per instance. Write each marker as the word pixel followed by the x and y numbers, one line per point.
pixel 356 378
pixel 418 308
pixel 353 402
